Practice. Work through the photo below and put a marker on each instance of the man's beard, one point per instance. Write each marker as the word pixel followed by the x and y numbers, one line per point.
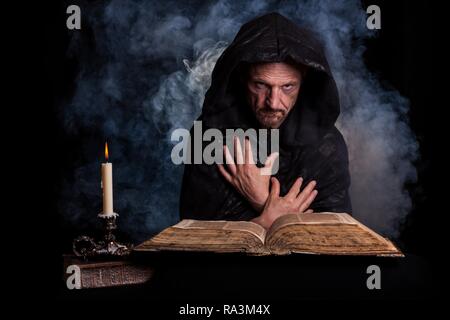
pixel 269 118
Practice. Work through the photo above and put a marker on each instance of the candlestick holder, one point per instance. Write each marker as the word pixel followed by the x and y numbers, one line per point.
pixel 85 246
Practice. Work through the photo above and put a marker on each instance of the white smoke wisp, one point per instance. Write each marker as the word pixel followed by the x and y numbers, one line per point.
pixel 201 69
pixel 183 92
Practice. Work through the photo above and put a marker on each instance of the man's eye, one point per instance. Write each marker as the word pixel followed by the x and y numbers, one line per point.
pixel 260 85
pixel 288 86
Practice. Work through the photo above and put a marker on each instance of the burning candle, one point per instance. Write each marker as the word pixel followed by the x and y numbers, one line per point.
pixel 107 186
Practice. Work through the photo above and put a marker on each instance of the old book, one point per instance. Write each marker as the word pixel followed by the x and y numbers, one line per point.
pixel 100 274
pixel 314 233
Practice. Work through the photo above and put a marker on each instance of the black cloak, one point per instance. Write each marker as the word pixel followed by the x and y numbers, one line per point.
pixel 310 144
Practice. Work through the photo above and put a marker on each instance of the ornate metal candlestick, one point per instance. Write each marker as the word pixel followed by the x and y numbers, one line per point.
pixel 86 246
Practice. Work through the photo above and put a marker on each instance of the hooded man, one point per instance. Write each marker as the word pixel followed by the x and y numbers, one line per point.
pixel 273 75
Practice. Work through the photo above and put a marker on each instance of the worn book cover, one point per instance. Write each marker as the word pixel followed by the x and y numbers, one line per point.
pixel 83 274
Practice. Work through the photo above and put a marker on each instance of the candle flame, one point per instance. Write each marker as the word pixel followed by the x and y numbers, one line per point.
pixel 106 151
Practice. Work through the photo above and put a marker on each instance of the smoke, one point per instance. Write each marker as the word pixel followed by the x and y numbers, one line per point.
pixel 144 69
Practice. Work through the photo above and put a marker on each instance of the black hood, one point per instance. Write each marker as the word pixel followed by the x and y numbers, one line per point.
pixel 274 38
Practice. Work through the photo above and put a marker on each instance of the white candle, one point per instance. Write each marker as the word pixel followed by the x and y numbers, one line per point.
pixel 107 186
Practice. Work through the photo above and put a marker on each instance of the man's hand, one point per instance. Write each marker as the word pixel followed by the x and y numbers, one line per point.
pixel 294 202
pixel 245 176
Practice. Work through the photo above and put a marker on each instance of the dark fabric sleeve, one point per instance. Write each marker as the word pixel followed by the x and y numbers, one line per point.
pixel 333 177
pixel 205 195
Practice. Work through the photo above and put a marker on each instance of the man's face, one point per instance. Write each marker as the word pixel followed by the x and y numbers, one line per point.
pixel 272 90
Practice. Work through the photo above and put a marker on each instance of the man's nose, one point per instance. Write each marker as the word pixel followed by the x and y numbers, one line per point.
pixel 273 99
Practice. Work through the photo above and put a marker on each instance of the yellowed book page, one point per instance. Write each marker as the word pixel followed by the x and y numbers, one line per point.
pixel 247 226
pixel 343 239
pixel 329 234
pixel 344 218
pixel 217 236
pixel 200 224
pixel 325 218
pixel 388 243
pixel 310 218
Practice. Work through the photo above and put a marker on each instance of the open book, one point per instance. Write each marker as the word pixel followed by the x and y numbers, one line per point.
pixel 313 233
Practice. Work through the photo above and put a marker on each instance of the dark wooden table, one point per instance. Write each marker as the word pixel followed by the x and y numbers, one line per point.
pixel 184 276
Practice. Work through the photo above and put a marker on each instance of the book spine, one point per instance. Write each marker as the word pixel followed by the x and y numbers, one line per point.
pixel 111 276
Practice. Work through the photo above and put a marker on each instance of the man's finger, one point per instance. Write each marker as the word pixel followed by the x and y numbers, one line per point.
pixel 275 187
pixel 309 211
pixel 270 161
pixel 229 160
pixel 302 196
pixel 295 189
pixel 305 205
pixel 248 152
pixel 238 151
pixel 224 172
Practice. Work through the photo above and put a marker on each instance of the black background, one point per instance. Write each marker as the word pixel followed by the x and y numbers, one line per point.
pixel 402 55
